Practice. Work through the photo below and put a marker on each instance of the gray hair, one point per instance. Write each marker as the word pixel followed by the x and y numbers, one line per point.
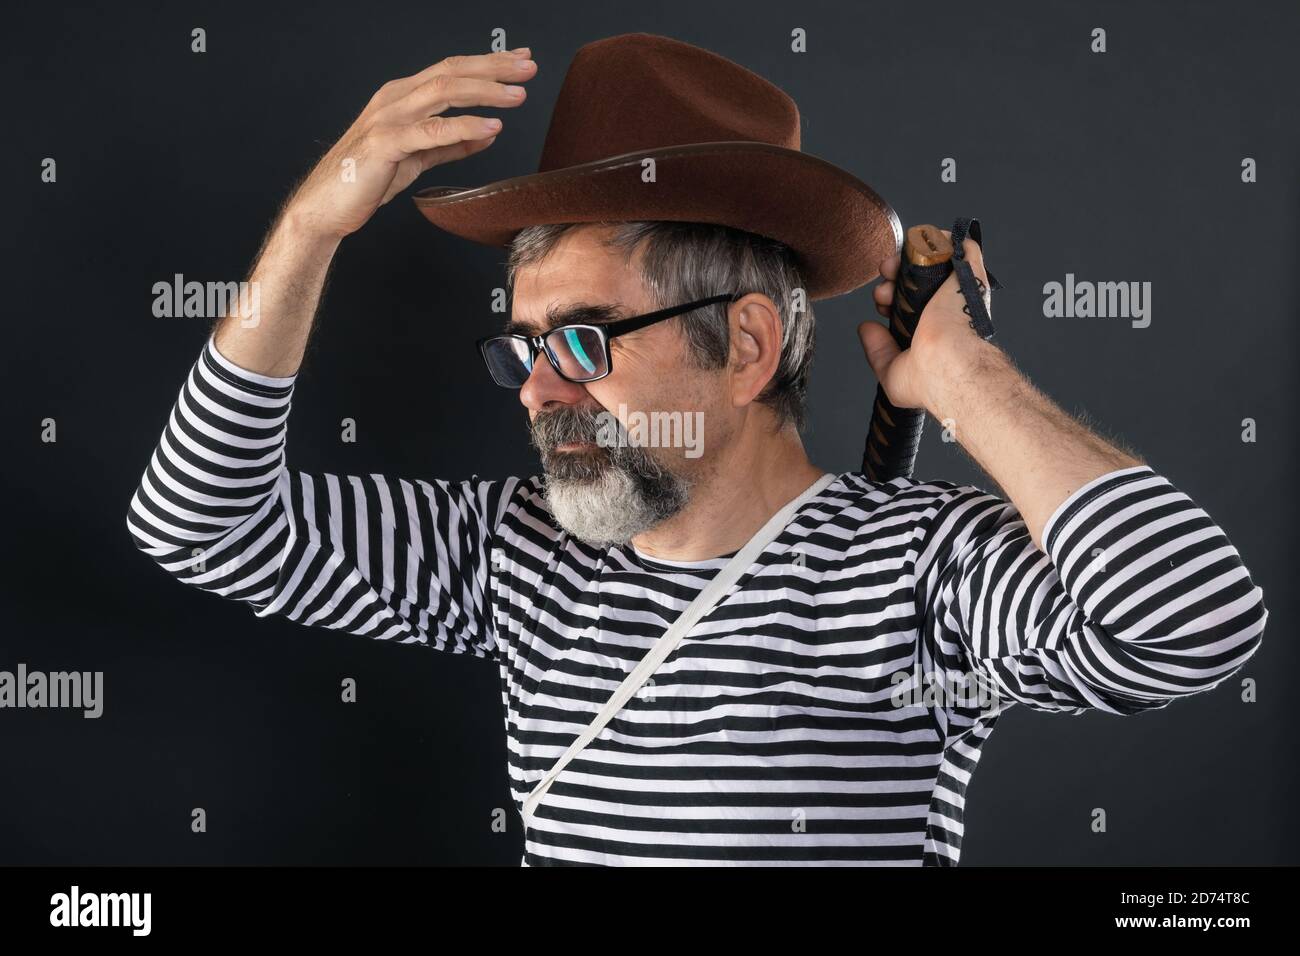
pixel 685 261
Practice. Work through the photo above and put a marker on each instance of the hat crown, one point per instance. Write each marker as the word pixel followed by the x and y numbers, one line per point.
pixel 639 91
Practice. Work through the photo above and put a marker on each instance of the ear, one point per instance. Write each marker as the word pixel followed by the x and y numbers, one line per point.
pixel 755 327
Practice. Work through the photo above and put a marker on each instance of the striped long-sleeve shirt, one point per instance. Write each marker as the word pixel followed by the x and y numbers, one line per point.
pixel 778 731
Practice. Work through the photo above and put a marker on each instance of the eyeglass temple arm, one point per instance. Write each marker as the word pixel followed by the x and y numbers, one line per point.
pixel 626 325
pixel 641 321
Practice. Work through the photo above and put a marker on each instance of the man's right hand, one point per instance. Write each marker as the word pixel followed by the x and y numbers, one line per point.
pixel 401 133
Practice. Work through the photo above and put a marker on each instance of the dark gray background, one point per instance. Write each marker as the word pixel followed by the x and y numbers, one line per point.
pixel 1116 167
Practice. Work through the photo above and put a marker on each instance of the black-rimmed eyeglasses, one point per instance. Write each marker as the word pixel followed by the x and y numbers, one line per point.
pixel 578 353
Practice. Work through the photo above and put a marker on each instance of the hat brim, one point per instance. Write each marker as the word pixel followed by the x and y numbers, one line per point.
pixel 837 226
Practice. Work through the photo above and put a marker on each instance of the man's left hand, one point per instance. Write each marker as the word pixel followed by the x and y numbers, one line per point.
pixel 944 341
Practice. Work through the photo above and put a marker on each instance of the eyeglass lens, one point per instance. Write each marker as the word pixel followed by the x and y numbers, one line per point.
pixel 578 352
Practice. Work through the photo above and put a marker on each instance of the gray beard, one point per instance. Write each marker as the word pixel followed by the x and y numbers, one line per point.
pixel 603 496
pixel 612 508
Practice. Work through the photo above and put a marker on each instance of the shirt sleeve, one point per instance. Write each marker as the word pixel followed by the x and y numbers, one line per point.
pixel 390 559
pixel 1138 600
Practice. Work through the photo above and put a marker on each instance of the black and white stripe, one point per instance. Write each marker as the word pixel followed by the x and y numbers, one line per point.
pixel 769 736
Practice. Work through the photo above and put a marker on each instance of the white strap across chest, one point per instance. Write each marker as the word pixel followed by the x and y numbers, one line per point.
pixel 703 603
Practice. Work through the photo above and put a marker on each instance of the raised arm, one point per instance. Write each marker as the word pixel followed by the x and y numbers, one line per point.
pixel 1096 583
pixel 386 558
pixel 1138 600
pixel 398 136
pixel 218 508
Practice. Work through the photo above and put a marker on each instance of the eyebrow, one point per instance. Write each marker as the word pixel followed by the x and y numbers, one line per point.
pixel 579 313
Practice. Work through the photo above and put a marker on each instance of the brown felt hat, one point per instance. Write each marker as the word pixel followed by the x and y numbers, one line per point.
pixel 725 143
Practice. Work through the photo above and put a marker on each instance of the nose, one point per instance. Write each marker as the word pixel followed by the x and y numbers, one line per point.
pixel 545 385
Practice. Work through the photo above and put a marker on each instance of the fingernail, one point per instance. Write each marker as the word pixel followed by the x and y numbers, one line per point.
pixel 520 51
pixel 515 90
pixel 492 124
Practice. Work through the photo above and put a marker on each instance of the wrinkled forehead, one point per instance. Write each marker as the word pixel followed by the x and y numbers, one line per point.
pixel 586 312
pixel 578 280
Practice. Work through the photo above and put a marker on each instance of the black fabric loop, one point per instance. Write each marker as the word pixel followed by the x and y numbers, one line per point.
pixel 972 288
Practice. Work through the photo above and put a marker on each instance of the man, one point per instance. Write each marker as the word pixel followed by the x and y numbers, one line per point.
pixel 785 728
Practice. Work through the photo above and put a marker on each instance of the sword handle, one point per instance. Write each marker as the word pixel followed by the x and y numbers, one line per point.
pixel 894 434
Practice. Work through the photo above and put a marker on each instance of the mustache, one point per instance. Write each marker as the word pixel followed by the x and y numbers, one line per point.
pixel 548 430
